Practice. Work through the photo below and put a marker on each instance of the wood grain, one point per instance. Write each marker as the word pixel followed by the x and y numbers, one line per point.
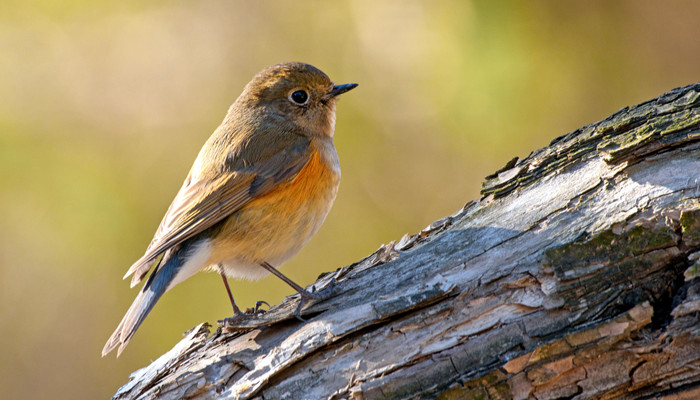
pixel 573 277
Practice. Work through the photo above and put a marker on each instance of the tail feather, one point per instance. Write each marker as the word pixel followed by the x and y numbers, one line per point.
pixel 139 269
pixel 142 305
pixel 157 284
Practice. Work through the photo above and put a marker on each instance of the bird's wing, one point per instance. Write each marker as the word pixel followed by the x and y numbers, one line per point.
pixel 202 203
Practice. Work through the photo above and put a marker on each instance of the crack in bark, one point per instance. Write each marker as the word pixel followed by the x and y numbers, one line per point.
pixel 586 318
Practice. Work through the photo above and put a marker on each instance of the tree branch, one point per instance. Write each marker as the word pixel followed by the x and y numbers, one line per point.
pixel 572 277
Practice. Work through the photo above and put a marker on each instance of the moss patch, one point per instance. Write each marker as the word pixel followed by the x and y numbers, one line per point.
pixel 690 223
pixel 607 248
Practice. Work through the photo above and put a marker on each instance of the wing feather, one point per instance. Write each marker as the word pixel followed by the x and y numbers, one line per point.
pixel 200 204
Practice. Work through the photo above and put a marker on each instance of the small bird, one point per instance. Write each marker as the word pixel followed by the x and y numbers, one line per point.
pixel 260 187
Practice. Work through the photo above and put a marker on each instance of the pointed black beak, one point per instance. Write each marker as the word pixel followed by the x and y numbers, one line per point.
pixel 340 89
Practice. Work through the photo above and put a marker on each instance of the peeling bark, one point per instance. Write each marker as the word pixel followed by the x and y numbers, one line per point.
pixel 574 276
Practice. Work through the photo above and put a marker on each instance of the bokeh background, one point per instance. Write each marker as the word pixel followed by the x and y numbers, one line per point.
pixel 104 106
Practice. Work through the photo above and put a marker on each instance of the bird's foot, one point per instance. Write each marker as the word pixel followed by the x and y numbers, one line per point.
pixel 305 295
pixel 257 310
pixel 248 315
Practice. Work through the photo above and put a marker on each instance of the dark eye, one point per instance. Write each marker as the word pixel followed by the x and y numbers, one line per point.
pixel 299 97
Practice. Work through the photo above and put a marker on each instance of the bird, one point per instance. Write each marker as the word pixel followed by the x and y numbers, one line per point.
pixel 259 189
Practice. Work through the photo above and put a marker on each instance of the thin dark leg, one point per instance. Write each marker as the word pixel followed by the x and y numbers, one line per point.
pixel 236 311
pixel 278 274
pixel 305 295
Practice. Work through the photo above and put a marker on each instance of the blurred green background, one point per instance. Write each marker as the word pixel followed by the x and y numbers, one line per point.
pixel 104 106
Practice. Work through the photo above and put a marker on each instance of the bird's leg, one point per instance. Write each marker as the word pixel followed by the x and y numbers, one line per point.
pixel 236 310
pixel 305 295
pixel 237 314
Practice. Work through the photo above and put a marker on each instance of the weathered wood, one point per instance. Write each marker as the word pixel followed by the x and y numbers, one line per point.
pixel 575 276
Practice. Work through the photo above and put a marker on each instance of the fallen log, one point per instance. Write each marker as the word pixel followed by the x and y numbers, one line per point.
pixel 574 276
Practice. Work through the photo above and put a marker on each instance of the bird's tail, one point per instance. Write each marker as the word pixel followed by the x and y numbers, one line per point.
pixel 158 283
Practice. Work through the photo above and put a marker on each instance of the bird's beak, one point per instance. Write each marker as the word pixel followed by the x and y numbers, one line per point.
pixel 340 89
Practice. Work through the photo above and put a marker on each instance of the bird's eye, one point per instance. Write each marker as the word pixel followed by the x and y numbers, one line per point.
pixel 299 97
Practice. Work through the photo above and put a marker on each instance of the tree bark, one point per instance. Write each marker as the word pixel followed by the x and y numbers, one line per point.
pixel 573 277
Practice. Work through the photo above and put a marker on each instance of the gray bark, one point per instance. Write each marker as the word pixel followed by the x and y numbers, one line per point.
pixel 574 276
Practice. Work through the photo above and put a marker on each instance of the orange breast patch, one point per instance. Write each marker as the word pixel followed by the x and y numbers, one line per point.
pixel 312 182
pixel 276 225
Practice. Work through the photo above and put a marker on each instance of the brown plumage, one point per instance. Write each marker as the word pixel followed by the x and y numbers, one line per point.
pixel 259 189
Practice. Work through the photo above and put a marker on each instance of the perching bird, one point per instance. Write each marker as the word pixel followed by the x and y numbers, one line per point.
pixel 259 189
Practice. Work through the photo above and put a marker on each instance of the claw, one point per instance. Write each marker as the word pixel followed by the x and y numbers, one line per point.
pixel 249 314
pixel 305 295
pixel 257 309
